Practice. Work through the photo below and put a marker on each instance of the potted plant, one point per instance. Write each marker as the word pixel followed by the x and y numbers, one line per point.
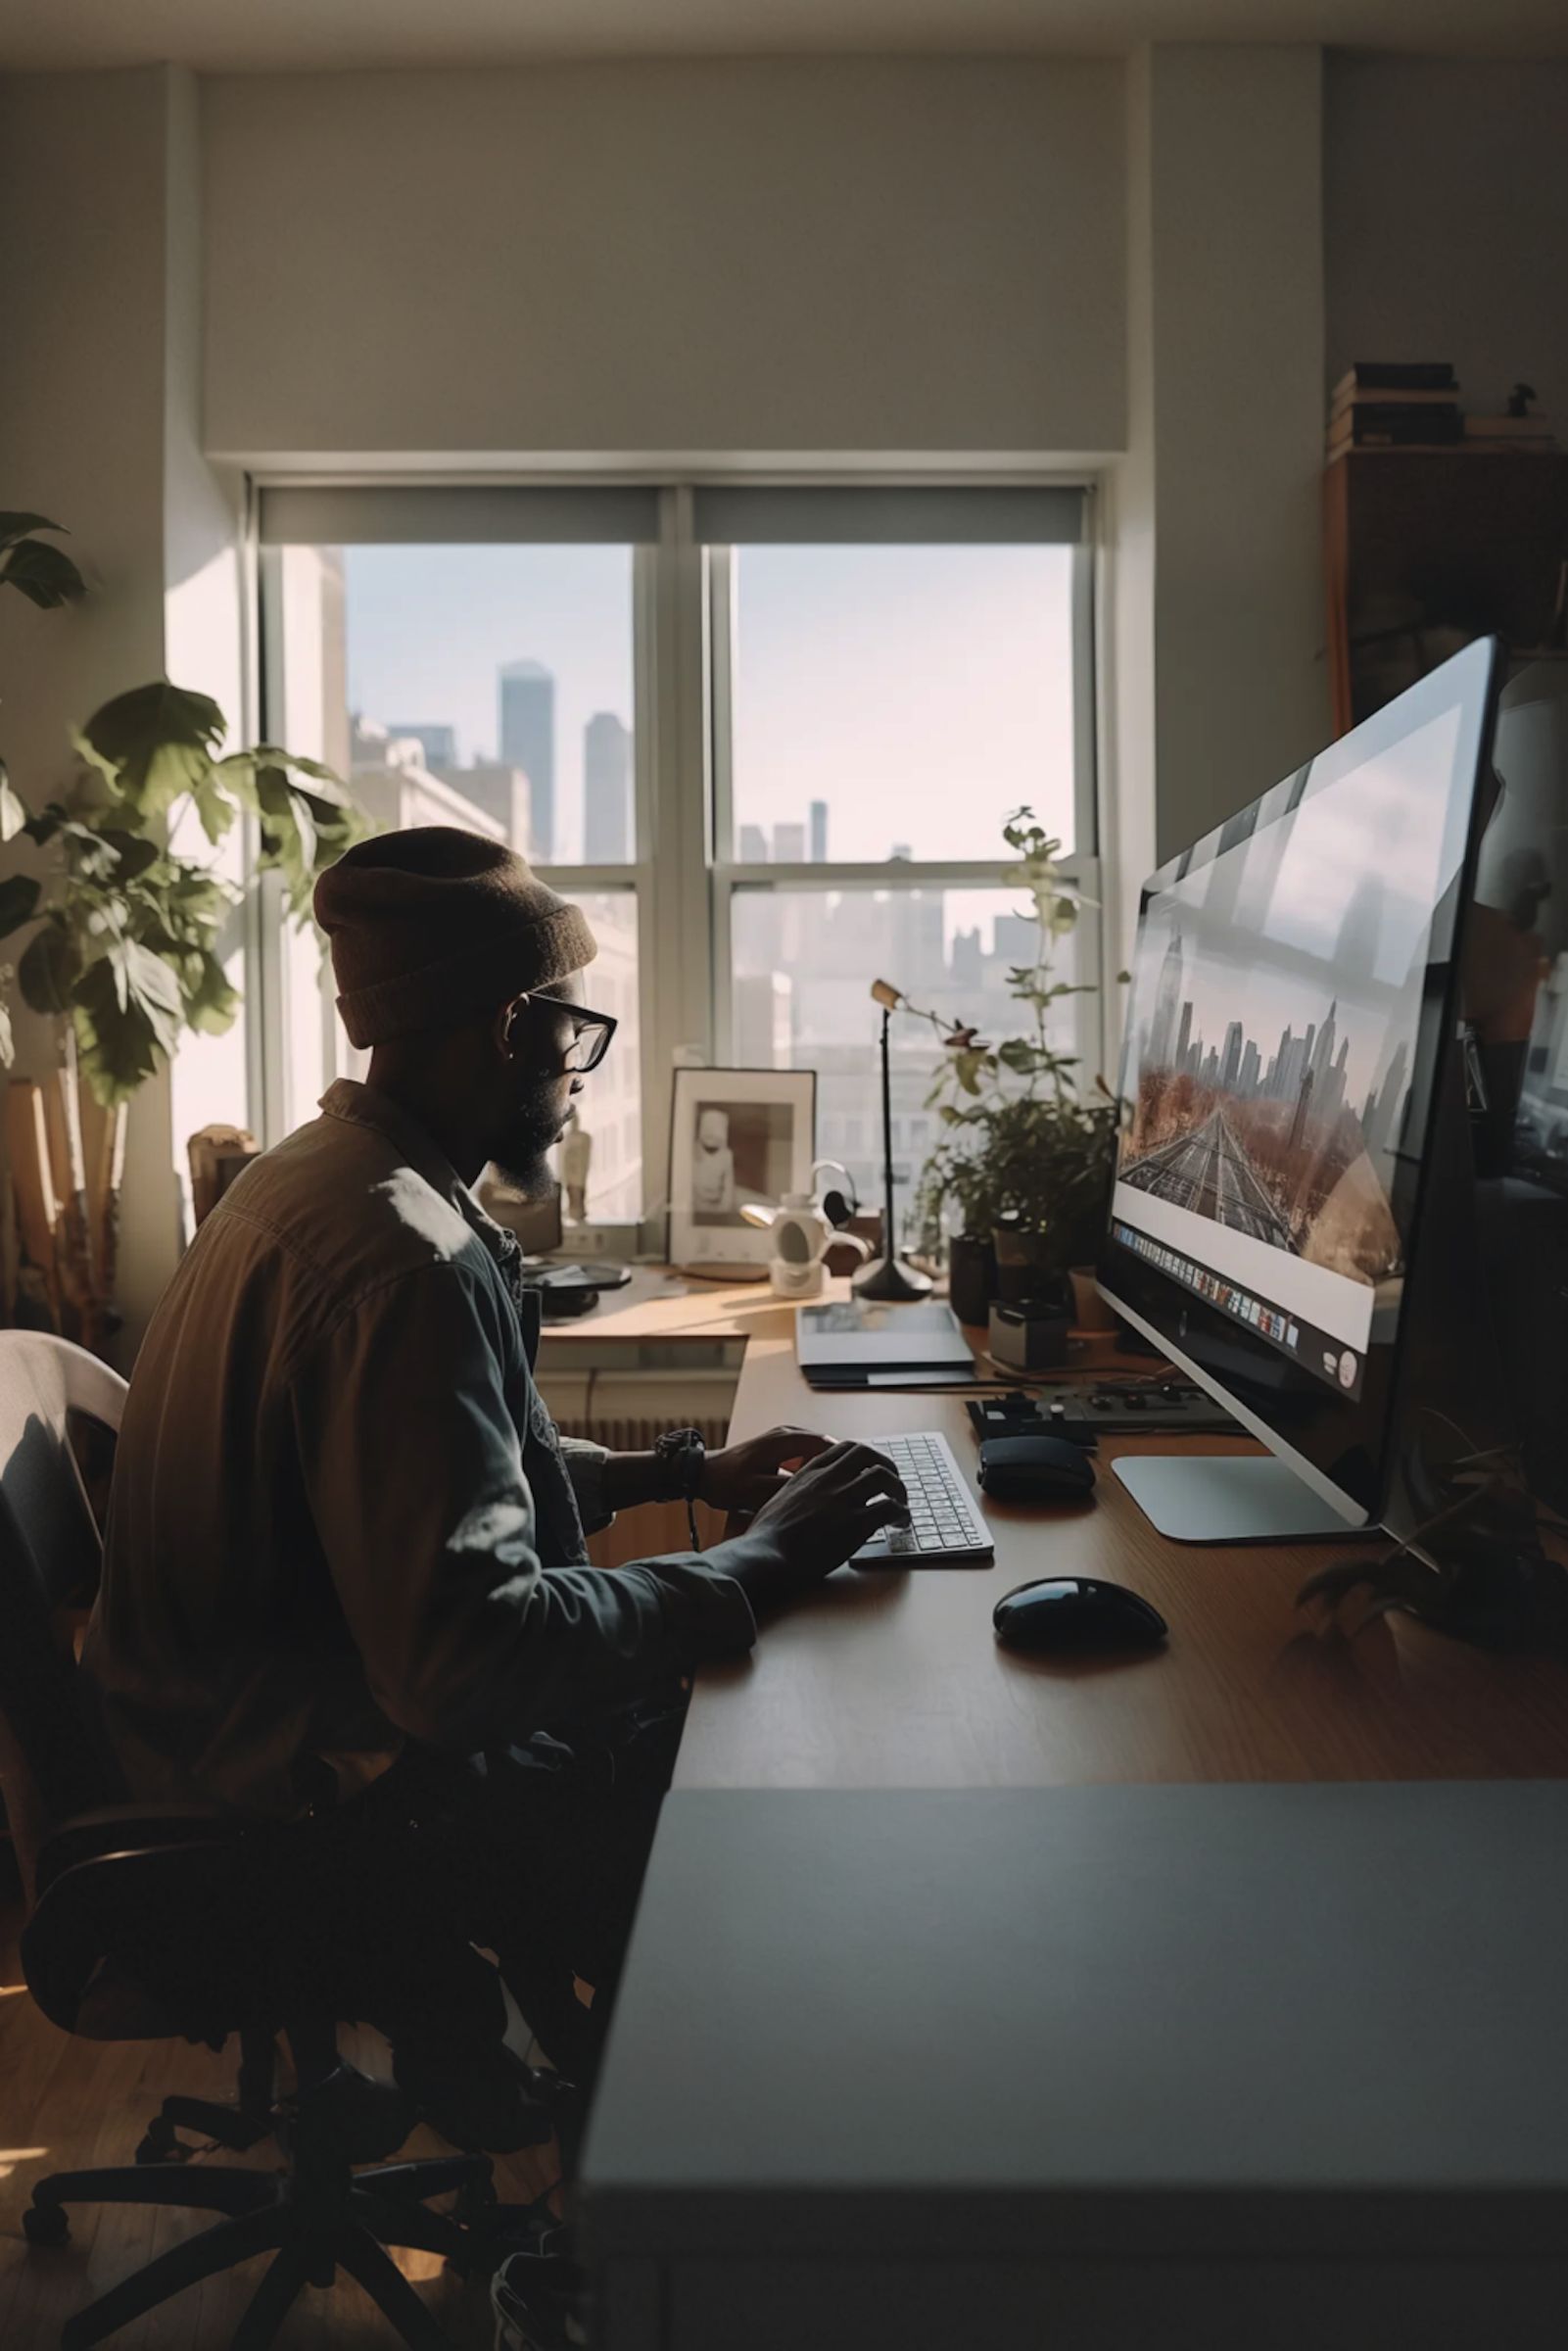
pixel 1018 1184
pixel 124 955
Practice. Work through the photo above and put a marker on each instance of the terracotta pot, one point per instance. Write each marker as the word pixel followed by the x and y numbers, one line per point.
pixel 971 1279
pixel 1089 1310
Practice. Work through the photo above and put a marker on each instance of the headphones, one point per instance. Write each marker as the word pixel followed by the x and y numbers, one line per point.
pixel 837 1209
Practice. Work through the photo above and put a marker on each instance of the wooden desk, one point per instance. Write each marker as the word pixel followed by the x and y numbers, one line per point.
pixel 661 1307
pixel 888 1680
pixel 918 2040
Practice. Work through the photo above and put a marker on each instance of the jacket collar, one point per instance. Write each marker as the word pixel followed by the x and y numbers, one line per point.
pixel 365 1106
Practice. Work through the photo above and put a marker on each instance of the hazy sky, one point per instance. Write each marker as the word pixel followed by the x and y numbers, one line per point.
pixel 921 692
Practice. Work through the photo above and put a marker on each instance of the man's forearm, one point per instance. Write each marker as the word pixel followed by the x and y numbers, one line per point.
pixel 628 1478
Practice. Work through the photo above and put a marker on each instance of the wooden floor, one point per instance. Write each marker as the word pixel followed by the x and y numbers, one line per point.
pixel 66 2103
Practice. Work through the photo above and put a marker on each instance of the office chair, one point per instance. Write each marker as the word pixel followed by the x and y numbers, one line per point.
pixel 155 1923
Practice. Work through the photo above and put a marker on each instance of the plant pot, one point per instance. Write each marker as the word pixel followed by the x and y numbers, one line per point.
pixel 1027 1274
pixel 1089 1310
pixel 971 1278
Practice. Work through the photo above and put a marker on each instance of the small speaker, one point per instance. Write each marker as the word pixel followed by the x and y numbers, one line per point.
pixel 1028 1338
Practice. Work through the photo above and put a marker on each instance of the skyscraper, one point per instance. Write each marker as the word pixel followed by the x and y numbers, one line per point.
pixel 1230 1064
pixel 439 742
pixel 606 790
pixel 1167 1008
pixel 790 845
pixel 753 845
pixel 528 741
pixel 819 832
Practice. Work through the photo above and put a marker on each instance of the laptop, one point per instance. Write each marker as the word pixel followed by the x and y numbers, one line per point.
pixel 853 1344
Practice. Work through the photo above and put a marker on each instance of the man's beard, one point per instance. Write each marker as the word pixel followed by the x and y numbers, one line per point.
pixel 522 1153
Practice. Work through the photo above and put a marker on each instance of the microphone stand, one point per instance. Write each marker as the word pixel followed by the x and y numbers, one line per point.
pixel 887 1279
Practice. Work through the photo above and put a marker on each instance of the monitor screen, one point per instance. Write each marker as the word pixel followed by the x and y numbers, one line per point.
pixel 1289 995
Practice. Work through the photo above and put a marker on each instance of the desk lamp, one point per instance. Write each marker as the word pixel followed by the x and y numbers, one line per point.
pixel 889 1278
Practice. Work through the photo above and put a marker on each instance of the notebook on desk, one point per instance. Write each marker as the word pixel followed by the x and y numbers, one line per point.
pixel 851 1344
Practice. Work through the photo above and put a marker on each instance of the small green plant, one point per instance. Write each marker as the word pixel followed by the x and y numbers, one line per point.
pixel 1022 1142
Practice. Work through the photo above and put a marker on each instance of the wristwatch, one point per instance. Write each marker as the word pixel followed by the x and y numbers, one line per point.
pixel 681 1454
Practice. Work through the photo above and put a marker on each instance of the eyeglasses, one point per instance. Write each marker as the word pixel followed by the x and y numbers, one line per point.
pixel 592 1033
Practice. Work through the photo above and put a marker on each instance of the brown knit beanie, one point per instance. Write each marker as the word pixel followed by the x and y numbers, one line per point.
pixel 433 926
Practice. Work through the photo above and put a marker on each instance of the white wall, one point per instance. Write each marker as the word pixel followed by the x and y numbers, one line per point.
pixel 205 618
pixel 1446 208
pixel 919 255
pixel 99 429
pixel 1232 317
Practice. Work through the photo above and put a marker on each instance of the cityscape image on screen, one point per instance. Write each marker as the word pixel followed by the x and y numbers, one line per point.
pixel 1267 1069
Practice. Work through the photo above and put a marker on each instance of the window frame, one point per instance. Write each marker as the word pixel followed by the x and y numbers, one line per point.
pixel 683 876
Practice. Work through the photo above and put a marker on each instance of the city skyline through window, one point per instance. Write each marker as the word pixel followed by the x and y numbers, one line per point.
pixel 511 657
pixel 867 704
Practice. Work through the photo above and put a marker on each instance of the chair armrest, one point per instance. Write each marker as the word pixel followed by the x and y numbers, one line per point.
pixel 129 1828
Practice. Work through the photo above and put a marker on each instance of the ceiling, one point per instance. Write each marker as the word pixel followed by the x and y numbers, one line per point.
pixel 243 37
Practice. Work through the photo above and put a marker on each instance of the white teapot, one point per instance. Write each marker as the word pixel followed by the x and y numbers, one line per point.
pixel 802 1233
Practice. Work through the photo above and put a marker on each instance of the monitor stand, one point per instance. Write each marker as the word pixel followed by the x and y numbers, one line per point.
pixel 1228 1498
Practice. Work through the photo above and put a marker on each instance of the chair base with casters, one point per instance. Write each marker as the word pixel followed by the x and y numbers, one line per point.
pixel 238 2123
pixel 316 2216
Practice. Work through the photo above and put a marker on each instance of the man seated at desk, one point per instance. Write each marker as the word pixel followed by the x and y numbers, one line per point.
pixel 346 1574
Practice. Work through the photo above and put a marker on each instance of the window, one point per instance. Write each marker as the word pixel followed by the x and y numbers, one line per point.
pixel 488 682
pixel 767 737
pixel 893 672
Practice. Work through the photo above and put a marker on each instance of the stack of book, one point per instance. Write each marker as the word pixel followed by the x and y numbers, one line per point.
pixel 1395 404
pixel 1510 432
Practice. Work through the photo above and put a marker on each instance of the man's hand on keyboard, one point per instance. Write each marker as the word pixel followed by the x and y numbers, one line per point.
pixel 817 1520
pixel 745 1476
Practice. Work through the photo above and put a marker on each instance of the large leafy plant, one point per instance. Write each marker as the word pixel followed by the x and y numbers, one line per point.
pixel 1022 1142
pixel 125 956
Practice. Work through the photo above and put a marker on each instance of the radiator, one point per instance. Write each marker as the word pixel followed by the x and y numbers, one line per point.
pixel 623 1434
pixel 628 1410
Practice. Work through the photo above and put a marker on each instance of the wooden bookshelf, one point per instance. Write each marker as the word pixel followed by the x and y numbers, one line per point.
pixel 1418 541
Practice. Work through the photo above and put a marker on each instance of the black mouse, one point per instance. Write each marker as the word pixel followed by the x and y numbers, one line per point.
pixel 1076 1614
pixel 1035 1468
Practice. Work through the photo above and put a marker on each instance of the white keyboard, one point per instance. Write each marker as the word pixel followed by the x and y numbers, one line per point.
pixel 945 1526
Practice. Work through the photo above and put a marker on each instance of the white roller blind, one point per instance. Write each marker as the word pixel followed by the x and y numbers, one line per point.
pixel 461 515
pixel 1046 515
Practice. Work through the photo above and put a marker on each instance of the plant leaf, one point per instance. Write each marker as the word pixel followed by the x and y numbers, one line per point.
pixel 19 526
pixel 19 901
pixel 49 969
pixel 210 1003
pixel 13 808
pixel 335 793
pixel 128 1018
pixel 214 806
pixel 154 744
pixel 134 853
pixel 45 574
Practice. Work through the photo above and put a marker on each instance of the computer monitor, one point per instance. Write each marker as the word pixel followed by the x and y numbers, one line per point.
pixel 1514 1000
pixel 1289 1020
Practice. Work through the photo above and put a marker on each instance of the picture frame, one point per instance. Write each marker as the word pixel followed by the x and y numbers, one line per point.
pixel 736 1136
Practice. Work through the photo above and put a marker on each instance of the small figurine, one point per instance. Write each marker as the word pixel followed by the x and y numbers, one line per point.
pixel 577 1155
pixel 1519 400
